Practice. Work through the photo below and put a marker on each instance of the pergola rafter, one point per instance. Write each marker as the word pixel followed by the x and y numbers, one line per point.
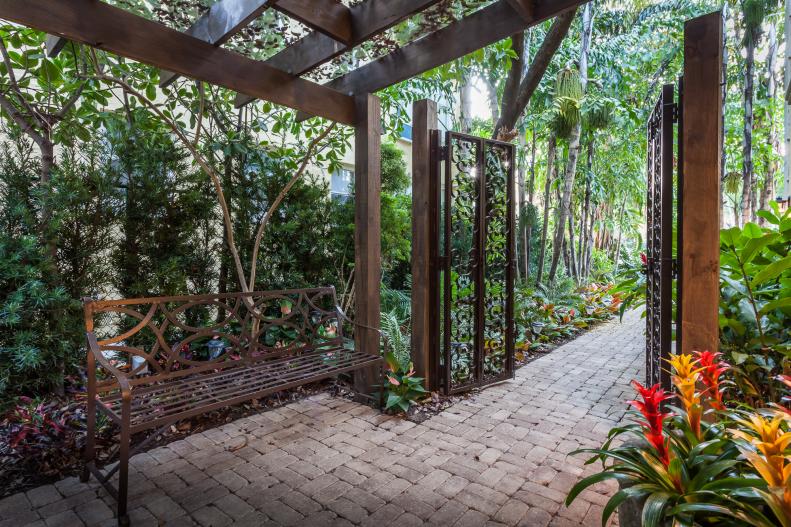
pixel 197 53
pixel 222 21
pixel 326 16
pixel 369 19
pixel 118 31
pixel 480 29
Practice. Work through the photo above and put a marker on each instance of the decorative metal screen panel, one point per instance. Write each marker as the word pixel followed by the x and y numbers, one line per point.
pixel 659 239
pixel 476 253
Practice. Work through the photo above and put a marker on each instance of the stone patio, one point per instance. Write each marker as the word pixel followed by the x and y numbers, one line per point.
pixel 500 457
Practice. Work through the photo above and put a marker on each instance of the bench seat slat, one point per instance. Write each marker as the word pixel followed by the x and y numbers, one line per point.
pixel 187 396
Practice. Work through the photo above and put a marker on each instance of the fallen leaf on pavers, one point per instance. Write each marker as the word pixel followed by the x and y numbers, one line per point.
pixel 240 446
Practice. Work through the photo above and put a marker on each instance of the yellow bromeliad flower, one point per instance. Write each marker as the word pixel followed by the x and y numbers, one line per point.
pixel 686 372
pixel 771 443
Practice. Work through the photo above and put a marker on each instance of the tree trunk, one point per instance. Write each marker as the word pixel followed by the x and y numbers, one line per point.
pixel 551 153
pixel 581 244
pixel 531 186
pixel 786 105
pixel 466 103
pixel 572 260
pixel 565 200
pixel 617 255
pixel 528 234
pixel 225 269
pixel 588 245
pixel 724 157
pixel 520 230
pixel 767 189
pixel 491 95
pixel 574 144
pixel 747 140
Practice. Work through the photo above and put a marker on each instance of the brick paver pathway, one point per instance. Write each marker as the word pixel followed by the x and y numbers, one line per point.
pixel 500 457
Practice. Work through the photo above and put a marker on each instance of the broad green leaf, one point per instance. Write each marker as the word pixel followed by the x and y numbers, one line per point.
pixel 754 246
pixel 730 237
pixel 768 216
pixel 773 270
pixel 653 510
pixel 775 304
pixel 392 400
pixel 587 482
pixel 751 230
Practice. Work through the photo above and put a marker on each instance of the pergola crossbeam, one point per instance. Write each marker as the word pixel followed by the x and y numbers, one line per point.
pixel 223 20
pixel 525 8
pixel 480 29
pixel 112 29
pixel 369 19
pixel 329 17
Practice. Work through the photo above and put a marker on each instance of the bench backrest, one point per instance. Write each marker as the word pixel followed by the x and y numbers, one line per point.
pixel 185 334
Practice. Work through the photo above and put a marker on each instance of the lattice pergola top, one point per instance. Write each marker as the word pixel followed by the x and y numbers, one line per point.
pixel 198 53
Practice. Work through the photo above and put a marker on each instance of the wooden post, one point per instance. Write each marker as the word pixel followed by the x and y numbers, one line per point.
pixel 367 233
pixel 702 148
pixel 424 119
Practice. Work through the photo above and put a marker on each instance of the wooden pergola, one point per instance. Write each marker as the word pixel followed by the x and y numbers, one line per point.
pixel 337 28
pixel 198 54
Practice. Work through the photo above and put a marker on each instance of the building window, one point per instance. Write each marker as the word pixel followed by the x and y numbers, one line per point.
pixel 341 184
pixel 406 132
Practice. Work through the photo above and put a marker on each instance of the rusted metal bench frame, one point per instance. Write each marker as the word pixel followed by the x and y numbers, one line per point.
pixel 263 369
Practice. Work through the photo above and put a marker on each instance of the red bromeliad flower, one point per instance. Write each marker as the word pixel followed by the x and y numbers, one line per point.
pixel 651 408
pixel 644 259
pixel 710 375
pixel 784 407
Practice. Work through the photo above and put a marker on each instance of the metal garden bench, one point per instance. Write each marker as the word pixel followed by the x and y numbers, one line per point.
pixel 155 361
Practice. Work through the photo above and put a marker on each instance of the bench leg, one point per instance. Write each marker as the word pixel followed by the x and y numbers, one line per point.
pixel 90 439
pixel 123 465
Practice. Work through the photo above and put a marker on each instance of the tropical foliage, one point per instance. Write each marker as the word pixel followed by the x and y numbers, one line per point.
pixel 755 303
pixel 698 463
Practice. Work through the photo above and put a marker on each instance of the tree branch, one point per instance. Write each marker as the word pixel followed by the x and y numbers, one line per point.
pixel 554 37
pixel 276 203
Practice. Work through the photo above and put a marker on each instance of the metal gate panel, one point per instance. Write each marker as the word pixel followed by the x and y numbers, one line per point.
pixel 476 261
pixel 659 240
pixel 498 263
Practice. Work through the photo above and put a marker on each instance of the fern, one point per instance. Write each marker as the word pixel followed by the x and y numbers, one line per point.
pixel 399 302
pixel 397 338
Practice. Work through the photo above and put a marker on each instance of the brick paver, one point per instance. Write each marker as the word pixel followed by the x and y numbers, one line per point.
pixel 500 457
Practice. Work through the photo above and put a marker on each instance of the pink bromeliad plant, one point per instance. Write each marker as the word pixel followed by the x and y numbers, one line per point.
pixel 698 464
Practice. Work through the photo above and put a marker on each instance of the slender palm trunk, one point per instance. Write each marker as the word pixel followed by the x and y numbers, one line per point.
pixel 521 230
pixel 747 140
pixel 551 153
pixel 617 256
pixel 771 91
pixel 572 259
pixel 574 145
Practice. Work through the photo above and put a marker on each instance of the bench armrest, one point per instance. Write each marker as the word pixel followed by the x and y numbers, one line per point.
pixel 382 336
pixel 96 354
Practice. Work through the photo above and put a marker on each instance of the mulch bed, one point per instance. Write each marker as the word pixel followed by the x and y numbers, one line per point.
pixel 57 456
pixel 54 458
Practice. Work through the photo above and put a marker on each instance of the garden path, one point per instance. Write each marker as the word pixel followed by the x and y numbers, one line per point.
pixel 499 457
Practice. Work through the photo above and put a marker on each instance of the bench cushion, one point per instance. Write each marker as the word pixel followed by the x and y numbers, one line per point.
pixel 171 400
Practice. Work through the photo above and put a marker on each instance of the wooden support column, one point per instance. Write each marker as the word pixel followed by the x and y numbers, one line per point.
pixel 702 155
pixel 424 241
pixel 367 233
